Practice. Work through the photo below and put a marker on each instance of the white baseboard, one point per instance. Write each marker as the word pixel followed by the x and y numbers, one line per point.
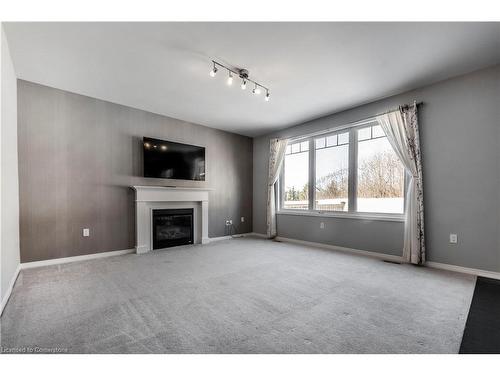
pixel 221 238
pixel 9 289
pixel 389 257
pixel 215 239
pixel 460 269
pixel 78 258
pixel 255 234
pixel 249 234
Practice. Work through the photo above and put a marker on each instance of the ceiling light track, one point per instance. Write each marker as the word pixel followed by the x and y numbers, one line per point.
pixel 241 73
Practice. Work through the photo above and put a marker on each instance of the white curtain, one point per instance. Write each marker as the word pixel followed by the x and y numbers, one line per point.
pixel 401 128
pixel 276 155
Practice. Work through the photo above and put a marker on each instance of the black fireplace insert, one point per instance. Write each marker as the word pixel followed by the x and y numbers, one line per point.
pixel 172 227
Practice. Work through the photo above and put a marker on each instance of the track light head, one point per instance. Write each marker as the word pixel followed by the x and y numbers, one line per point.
pixel 213 72
pixel 268 96
pixel 256 90
pixel 230 78
pixel 244 84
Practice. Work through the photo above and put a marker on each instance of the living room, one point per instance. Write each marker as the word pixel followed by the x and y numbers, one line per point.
pixel 250 187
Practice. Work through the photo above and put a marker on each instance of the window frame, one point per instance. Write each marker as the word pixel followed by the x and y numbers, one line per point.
pixel 352 212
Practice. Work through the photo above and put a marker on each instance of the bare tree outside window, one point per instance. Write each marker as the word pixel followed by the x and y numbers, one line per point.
pixel 333 185
pixel 381 176
pixel 332 172
pixel 380 185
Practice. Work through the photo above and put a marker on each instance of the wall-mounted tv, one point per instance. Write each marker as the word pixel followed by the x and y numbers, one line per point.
pixel 165 159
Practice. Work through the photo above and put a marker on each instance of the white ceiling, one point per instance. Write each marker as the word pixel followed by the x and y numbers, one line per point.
pixel 312 69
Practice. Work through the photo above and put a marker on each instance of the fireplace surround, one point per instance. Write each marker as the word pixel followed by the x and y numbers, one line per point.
pixel 151 198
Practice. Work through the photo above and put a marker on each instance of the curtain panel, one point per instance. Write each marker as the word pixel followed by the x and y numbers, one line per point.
pixel 277 150
pixel 401 128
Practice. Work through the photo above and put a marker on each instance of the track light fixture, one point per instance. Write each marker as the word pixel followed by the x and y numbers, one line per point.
pixel 244 75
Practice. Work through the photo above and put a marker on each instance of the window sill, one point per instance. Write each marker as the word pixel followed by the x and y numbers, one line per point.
pixel 346 215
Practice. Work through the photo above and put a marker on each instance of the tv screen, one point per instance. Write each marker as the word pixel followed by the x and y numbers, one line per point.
pixel 165 159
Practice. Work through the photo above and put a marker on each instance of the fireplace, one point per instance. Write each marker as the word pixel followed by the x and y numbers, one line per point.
pixel 172 227
pixel 150 198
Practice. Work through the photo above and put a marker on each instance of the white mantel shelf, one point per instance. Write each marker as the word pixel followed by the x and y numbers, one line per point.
pixel 148 198
pixel 138 187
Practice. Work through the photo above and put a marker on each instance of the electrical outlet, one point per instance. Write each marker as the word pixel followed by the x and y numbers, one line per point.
pixel 322 225
pixel 243 219
pixel 86 232
pixel 453 238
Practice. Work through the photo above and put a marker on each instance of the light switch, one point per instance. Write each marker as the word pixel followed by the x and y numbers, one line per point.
pixel 322 225
pixel 86 232
pixel 453 238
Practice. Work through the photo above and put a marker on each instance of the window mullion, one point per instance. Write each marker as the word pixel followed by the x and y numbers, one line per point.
pixel 312 175
pixel 281 187
pixel 353 175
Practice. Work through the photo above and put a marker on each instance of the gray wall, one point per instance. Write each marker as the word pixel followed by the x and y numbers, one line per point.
pixel 460 134
pixel 79 155
pixel 9 203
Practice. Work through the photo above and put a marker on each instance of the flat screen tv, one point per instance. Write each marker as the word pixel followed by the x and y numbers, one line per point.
pixel 165 159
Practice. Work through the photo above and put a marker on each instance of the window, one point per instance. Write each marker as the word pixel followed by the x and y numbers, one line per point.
pixel 380 185
pixel 332 172
pixel 353 170
pixel 296 176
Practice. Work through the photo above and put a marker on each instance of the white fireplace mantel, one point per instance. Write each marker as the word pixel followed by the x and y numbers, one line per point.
pixel 149 198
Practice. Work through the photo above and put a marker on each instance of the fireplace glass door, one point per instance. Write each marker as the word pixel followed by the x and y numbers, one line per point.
pixel 172 227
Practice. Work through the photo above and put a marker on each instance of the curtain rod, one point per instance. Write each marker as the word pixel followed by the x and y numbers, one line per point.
pixel 351 124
